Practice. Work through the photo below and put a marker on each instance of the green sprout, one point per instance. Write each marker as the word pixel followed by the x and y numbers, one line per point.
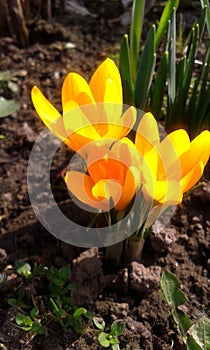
pixel 108 339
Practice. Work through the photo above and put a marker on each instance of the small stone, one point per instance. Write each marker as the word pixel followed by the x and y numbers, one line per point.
pixel 144 279
pixel 196 219
pixel 183 220
pixel 162 239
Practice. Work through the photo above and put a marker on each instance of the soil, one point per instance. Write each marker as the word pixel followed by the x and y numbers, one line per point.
pixel 133 293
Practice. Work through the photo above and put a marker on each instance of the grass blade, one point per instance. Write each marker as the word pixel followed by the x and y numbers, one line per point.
pixel 137 18
pixel 125 71
pixel 203 4
pixel 158 90
pixel 145 70
pixel 172 61
pixel 166 16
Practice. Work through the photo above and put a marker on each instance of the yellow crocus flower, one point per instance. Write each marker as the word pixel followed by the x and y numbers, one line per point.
pixel 176 163
pixel 91 111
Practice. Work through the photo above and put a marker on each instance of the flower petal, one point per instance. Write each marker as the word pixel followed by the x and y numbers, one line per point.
pixel 76 88
pixel 199 152
pixel 122 126
pixel 81 187
pixel 147 135
pixel 128 189
pixel 105 83
pixel 49 115
pixel 44 108
pixel 192 177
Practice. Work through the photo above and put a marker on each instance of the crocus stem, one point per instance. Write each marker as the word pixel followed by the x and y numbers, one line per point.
pixel 113 255
pixel 133 247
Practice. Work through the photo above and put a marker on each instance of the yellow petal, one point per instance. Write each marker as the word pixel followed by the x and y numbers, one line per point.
pixel 180 141
pixel 76 88
pixel 76 121
pixel 199 152
pixel 44 108
pixel 49 115
pixel 192 177
pixel 147 135
pixel 164 192
pixel 174 146
pixel 104 78
pixel 106 189
pixel 123 125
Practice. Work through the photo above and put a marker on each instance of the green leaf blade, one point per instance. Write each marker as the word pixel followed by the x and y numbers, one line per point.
pixel 125 71
pixel 145 70
pixel 166 16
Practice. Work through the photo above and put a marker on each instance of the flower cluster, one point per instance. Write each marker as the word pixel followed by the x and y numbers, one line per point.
pixel 95 125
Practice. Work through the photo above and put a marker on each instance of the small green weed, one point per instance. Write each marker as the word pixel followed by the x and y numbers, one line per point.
pixel 108 338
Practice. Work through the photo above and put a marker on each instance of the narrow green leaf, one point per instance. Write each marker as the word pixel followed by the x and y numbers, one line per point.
pixel 203 4
pixel 158 90
pixel 191 113
pixel 170 287
pixel 180 69
pixel 200 332
pixel 145 70
pixel 7 107
pixel 203 96
pixel 192 345
pixel 190 62
pixel 202 22
pixel 166 16
pixel 182 320
pixel 125 71
pixel 204 112
pixel 137 18
pixel 172 60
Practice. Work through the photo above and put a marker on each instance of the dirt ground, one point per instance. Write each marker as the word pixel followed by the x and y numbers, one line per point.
pixel 121 295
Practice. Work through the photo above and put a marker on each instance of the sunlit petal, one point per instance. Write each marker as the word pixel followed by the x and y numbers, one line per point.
pixel 44 108
pixel 192 177
pixel 147 135
pixel 75 88
pixel 128 190
pixel 107 71
pixel 81 187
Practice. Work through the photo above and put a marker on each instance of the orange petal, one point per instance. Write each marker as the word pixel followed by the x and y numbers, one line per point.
pixel 81 187
pixel 128 190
